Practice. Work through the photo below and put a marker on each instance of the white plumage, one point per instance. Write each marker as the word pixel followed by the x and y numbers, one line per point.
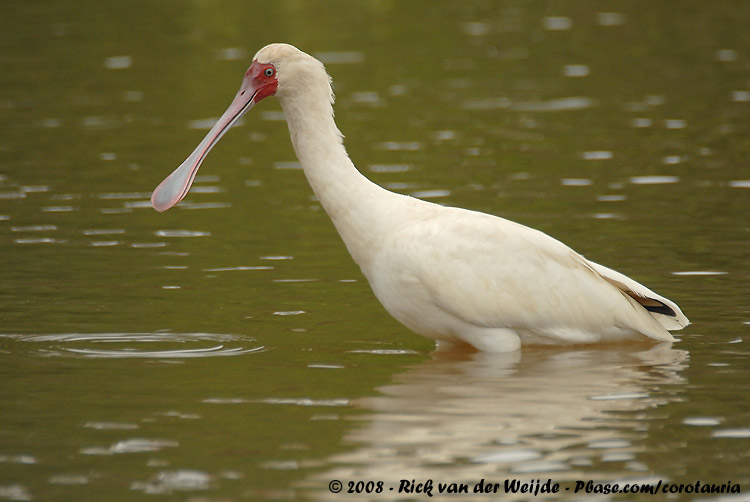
pixel 447 273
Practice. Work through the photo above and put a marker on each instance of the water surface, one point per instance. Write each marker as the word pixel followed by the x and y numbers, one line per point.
pixel 230 350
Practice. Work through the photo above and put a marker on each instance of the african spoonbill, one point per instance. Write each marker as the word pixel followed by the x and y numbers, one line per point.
pixel 449 274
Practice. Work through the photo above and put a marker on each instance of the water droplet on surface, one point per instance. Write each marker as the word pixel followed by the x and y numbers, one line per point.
pixel 555 105
pixel 675 124
pixel 15 492
pixel 231 54
pixel 136 445
pixel 405 146
pixel 18 459
pixel 654 180
pixel 118 62
pixel 273 115
pixel 123 195
pixel 398 90
pixel 132 96
pixel 607 216
pixel 576 70
pixel 641 122
pixel 181 233
pixel 292 164
pixel 58 209
pixel 225 400
pixel 486 103
pixel 371 98
pixel 431 194
pixel 237 269
pixel 12 195
pixel 68 479
pixel 740 433
pixel 611 198
pixel 111 426
pixel 148 245
pixel 597 155
pixel 507 456
pixel 575 182
pixel 617 397
pixel 701 421
pixel 280 465
pixel 445 135
pixel 306 401
pixel 180 415
pixel 34 228
pixel 610 18
pixel 206 189
pixel 476 28
pixel 389 168
pixel 34 188
pixel 340 57
pixel 50 123
pixel 609 443
pixel 557 23
pixel 700 272
pixel 672 159
pixel 541 466
pixel 617 456
pixel 726 55
pixel 167 482
pixel 39 240
pixel 203 205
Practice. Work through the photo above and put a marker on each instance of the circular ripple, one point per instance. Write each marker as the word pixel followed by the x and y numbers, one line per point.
pixel 140 345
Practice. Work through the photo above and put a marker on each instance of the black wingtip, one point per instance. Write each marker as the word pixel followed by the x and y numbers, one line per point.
pixel 661 309
pixel 653 305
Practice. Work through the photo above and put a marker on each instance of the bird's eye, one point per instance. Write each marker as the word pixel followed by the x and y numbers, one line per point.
pixel 268 72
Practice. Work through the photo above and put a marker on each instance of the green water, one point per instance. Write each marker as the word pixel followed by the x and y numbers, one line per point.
pixel 230 350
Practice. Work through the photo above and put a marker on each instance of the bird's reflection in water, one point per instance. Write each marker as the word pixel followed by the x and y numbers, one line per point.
pixel 542 413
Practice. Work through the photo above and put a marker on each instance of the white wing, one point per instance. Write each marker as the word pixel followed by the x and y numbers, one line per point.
pixel 494 273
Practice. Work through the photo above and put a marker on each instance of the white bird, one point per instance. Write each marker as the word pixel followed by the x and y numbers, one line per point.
pixel 449 274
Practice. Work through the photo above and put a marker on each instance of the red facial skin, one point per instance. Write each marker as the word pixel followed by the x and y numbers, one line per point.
pixel 262 78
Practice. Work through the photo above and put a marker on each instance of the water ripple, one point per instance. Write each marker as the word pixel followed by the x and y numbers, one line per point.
pixel 140 345
pixel 135 445
pixel 306 401
pixel 181 233
pixel 385 352
pixel 167 482
pixel 741 433
pixel 653 180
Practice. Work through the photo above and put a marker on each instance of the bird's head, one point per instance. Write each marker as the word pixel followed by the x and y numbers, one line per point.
pixel 277 69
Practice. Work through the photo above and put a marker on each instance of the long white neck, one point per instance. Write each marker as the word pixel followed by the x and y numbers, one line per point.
pixel 358 207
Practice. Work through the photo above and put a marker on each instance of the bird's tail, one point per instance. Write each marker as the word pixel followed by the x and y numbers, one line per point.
pixel 665 311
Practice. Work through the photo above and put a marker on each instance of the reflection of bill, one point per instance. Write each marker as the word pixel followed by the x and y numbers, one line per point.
pixel 545 413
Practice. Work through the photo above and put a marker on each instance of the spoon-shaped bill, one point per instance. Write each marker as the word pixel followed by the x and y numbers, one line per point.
pixel 176 185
